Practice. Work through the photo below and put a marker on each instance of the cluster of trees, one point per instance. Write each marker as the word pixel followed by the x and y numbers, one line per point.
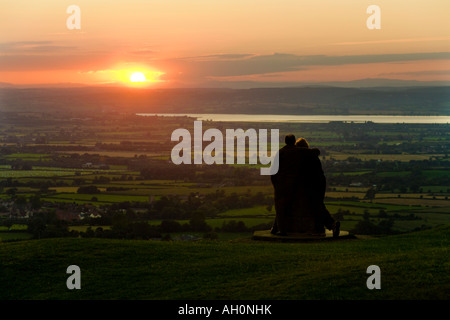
pixel 172 207
pixel 372 145
pixel 135 146
pixel 412 175
pixel 366 226
pixel 199 225
pixel 384 226
pixel 46 225
pixel 21 165
pixel 356 164
pixel 217 174
pixel 88 190
pixel 176 208
pixel 144 231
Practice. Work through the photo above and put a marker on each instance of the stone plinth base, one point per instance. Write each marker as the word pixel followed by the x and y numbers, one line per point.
pixel 265 235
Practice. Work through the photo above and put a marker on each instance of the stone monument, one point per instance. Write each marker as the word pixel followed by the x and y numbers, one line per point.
pixel 299 190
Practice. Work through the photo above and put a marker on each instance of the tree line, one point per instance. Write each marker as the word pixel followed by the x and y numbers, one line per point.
pixel 46 225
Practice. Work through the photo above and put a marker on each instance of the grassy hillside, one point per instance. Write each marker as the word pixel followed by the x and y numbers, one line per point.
pixel 413 266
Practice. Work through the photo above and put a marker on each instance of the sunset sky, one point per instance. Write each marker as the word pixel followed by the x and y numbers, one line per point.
pixel 180 43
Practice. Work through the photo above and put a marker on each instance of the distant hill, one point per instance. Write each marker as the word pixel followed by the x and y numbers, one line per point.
pixel 360 83
pixel 292 100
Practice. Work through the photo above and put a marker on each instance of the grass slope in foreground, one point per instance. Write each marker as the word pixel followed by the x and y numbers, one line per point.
pixel 413 266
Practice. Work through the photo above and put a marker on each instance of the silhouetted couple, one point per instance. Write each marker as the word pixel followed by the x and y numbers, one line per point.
pixel 299 188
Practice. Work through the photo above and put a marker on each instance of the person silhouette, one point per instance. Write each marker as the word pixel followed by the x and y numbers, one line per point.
pixel 284 185
pixel 299 191
pixel 314 182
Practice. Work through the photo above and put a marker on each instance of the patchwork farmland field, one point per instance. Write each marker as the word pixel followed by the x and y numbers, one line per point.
pixel 410 188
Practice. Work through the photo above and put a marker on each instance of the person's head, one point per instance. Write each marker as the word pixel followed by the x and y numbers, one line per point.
pixel 289 139
pixel 301 142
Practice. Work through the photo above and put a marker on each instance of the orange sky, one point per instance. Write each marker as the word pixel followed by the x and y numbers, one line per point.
pixel 205 43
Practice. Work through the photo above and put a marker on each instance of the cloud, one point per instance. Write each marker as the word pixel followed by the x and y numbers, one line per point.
pixel 217 70
pixel 24 43
pixel 46 55
pixel 224 56
pixel 238 65
pixel 392 41
pixel 31 47
pixel 418 73
pixel 282 62
pixel 32 62
pixel 143 52
pixel 380 58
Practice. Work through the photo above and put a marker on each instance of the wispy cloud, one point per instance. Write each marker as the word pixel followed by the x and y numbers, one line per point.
pixel 20 63
pixel 281 62
pixel 351 43
pixel 144 52
pixel 220 57
pixel 418 73
pixel 51 56
pixel 32 47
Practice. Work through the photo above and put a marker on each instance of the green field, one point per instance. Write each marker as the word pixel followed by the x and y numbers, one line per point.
pixel 111 198
pixel 26 156
pixel 34 173
pixel 383 157
pixel 10 236
pixel 224 270
pixel 218 222
pixel 255 211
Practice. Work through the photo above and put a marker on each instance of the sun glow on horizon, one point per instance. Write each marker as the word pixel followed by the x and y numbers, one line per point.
pixel 138 77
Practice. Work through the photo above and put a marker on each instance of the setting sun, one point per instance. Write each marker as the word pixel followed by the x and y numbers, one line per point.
pixel 138 77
